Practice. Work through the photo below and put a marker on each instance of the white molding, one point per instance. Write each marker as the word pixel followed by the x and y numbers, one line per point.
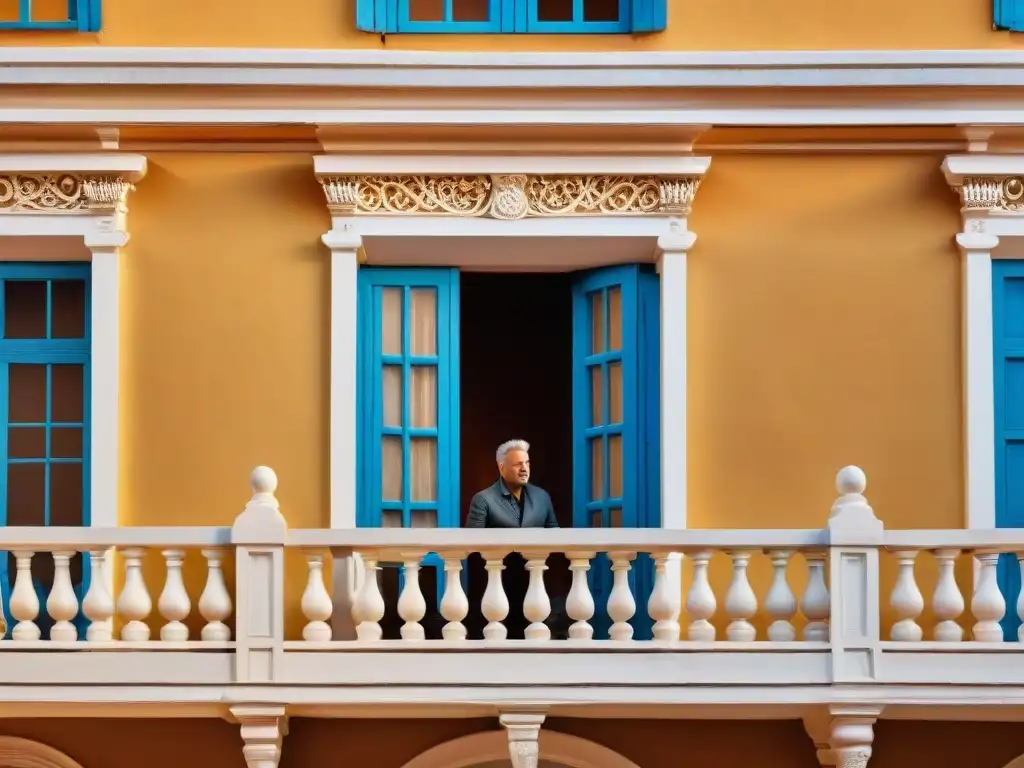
pixel 615 165
pixel 16 752
pixel 102 232
pixel 361 68
pixel 492 746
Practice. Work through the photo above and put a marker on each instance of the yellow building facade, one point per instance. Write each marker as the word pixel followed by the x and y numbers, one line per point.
pixel 702 261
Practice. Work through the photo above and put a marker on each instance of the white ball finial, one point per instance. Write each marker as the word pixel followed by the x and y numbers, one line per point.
pixel 851 480
pixel 263 480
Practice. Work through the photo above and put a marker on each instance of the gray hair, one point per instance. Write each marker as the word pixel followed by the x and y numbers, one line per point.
pixel 511 445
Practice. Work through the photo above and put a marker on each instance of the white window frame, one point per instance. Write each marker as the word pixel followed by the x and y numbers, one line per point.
pixel 89 225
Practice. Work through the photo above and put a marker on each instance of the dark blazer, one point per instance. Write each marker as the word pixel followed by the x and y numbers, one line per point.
pixel 494 507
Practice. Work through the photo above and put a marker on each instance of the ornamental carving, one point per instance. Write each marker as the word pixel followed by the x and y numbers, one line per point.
pixel 993 194
pixel 62 193
pixel 511 196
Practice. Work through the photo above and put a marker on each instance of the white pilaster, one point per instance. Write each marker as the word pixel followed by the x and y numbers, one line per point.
pixel 104 382
pixel 345 246
pixel 978 385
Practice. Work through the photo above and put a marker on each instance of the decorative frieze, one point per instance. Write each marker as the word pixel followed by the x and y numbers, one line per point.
pixel 63 193
pixel 513 196
pixel 992 193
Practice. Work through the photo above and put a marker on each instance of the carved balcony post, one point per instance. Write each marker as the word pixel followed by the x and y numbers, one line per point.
pixel 852 730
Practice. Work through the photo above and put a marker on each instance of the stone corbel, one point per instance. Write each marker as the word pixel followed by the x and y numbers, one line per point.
pixel 263 729
pixel 523 737
pixel 851 732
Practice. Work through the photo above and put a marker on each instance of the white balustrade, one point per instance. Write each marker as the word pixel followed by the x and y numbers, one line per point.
pixel 780 602
pixel 454 603
pixel 740 601
pixel 316 602
pixel 661 606
pixel 947 602
pixel 412 606
pixel 579 605
pixel 700 602
pixel 98 605
pixel 495 605
pixel 215 602
pixel 816 604
pixel 537 605
pixel 24 603
pixel 62 604
pixel 988 605
pixel 906 601
pixel 174 604
pixel 621 604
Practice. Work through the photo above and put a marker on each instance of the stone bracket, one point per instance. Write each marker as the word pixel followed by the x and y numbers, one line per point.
pixel 851 733
pixel 263 728
pixel 523 737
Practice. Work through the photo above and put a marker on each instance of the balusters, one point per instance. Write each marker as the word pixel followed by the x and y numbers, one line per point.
pixel 621 604
pixel 62 603
pixel 174 604
pixel 454 603
pixel 579 604
pixel 24 603
pixel 740 601
pixel 1020 600
pixel 780 603
pixel 215 602
pixel 700 601
pixel 906 600
pixel 368 607
pixel 412 606
pixel 495 605
pixel 947 602
pixel 662 606
pixel 316 602
pixel 134 604
pixel 98 605
pixel 815 605
pixel 988 605
pixel 537 605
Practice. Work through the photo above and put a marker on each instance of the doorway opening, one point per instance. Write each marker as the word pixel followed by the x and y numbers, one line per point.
pixel 516 383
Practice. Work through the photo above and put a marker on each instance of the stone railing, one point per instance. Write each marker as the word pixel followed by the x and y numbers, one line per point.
pixel 813 603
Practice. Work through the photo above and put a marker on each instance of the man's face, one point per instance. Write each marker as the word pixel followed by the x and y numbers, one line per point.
pixel 515 470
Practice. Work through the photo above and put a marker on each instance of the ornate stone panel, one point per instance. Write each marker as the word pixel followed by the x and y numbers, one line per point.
pixel 62 193
pixel 992 193
pixel 513 196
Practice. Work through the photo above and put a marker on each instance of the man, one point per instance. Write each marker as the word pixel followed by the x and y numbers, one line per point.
pixel 512 502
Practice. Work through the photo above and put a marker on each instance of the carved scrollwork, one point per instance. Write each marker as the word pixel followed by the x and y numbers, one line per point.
pixel 512 196
pixel 62 193
pixel 991 193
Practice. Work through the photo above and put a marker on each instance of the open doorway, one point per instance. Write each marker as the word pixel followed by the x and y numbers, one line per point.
pixel 516 380
pixel 516 383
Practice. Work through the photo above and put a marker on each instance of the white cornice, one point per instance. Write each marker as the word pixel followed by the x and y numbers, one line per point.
pixel 424 69
pixel 131 167
pixel 958 167
pixel 354 165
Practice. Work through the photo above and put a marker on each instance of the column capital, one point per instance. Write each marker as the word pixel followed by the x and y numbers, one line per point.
pixel 344 239
pixel 523 737
pixel 263 728
pixel 976 239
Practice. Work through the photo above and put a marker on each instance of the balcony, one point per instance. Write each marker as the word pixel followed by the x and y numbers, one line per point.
pixel 771 619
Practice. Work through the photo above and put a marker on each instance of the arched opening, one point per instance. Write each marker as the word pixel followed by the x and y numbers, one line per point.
pixel 24 753
pixel 490 750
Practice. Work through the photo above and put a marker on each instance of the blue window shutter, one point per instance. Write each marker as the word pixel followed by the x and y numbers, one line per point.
pixel 88 14
pixel 371 15
pixel 624 302
pixel 1008 381
pixel 1008 14
pixel 386 290
pixel 649 15
pixel 56 357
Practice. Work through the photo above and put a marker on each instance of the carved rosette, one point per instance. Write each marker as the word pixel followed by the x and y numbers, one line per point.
pixel 511 197
pixel 991 193
pixel 63 193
